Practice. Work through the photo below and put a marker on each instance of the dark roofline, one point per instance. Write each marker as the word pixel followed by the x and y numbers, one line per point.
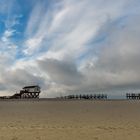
pixel 31 86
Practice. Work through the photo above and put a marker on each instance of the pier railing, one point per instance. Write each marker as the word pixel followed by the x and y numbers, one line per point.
pixel 85 96
pixel 133 96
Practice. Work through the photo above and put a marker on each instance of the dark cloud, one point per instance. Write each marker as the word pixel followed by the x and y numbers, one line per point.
pixel 16 79
pixel 61 72
pixel 117 65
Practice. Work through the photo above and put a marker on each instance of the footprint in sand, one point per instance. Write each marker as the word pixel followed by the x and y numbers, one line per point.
pixel 14 138
pixel 96 138
pixel 38 138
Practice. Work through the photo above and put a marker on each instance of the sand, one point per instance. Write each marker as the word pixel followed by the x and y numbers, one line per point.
pixel 69 120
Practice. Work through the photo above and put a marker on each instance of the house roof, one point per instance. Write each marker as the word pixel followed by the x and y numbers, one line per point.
pixel 31 86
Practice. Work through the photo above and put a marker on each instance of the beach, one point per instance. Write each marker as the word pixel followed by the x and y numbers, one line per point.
pixel 69 120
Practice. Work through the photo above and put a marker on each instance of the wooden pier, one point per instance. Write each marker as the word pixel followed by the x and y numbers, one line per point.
pixel 85 97
pixel 133 96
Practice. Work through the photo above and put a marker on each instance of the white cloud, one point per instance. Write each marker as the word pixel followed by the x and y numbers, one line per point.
pixel 7 34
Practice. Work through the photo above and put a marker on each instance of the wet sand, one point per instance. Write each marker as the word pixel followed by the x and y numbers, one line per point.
pixel 69 120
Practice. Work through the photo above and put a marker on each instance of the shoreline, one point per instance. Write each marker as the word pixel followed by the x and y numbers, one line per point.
pixel 68 100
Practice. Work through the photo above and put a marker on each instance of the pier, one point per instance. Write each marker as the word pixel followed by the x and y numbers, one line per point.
pixel 133 96
pixel 85 97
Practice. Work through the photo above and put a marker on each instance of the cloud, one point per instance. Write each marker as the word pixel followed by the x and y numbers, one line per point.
pixel 7 35
pixel 61 22
pixel 15 80
pixel 69 45
pixel 59 30
pixel 61 72
pixel 117 62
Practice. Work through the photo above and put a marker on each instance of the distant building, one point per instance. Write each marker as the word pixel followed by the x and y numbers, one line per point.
pixel 28 92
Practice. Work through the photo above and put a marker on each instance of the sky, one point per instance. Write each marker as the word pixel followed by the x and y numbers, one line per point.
pixel 70 46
